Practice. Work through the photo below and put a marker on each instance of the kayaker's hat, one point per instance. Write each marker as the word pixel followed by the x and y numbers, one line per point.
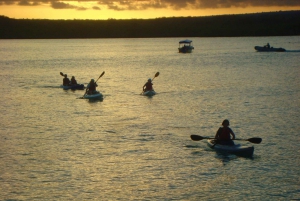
pixel 149 80
pixel 73 77
pixel 92 80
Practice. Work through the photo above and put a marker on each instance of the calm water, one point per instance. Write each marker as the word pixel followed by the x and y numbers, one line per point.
pixel 54 146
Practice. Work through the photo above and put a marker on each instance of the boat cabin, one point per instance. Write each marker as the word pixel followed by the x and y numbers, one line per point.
pixel 185 46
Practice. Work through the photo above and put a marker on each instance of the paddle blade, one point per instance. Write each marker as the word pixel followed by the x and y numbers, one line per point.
pixel 157 74
pixel 61 74
pixel 102 74
pixel 196 137
pixel 255 140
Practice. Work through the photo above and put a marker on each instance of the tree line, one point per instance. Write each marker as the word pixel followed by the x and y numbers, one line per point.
pixel 282 23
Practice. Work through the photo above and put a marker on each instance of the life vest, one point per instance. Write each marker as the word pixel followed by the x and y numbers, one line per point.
pixel 148 86
pixel 224 133
pixel 66 81
pixel 92 87
pixel 73 81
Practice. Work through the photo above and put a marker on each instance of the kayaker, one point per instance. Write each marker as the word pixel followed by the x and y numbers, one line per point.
pixel 224 134
pixel 148 85
pixel 92 87
pixel 73 81
pixel 66 81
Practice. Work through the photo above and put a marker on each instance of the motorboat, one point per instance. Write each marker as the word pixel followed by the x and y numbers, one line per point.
pixel 268 48
pixel 185 46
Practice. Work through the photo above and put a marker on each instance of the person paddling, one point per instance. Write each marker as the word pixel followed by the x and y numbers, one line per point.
pixel 148 85
pixel 224 134
pixel 73 81
pixel 91 87
pixel 66 81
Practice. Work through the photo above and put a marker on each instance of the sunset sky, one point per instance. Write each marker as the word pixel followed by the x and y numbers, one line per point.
pixel 137 9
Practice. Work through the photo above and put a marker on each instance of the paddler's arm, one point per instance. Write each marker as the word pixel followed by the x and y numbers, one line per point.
pixel 232 133
pixel 218 132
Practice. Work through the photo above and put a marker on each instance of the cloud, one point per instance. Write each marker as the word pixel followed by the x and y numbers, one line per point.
pixel 61 5
pixel 120 5
pixel 246 3
pixel 96 8
pixel 28 3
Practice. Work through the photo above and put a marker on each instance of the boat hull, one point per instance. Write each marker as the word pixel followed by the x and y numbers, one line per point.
pixel 271 49
pixel 186 49
pixel 73 87
pixel 149 93
pixel 93 96
pixel 239 150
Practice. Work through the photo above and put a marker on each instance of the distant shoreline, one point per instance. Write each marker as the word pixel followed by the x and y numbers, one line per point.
pixel 282 23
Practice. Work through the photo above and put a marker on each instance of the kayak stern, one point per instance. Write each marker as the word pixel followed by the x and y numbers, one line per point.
pixel 149 93
pixel 239 150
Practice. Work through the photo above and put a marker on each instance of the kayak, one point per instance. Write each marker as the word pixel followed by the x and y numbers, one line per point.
pixel 96 95
pixel 239 150
pixel 73 87
pixel 149 93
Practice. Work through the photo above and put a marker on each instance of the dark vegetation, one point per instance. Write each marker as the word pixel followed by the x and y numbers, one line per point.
pixel 283 23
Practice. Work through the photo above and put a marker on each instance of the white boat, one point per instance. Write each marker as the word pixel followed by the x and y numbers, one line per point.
pixel 185 46
pixel 239 150
pixel 93 96
pixel 149 93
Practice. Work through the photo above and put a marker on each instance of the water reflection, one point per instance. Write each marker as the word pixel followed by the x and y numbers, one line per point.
pixel 292 51
pixel 225 158
pixel 132 147
pixel 96 100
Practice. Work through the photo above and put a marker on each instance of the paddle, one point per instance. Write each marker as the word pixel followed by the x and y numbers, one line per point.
pixel 254 140
pixel 156 75
pixel 100 76
pixel 95 82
